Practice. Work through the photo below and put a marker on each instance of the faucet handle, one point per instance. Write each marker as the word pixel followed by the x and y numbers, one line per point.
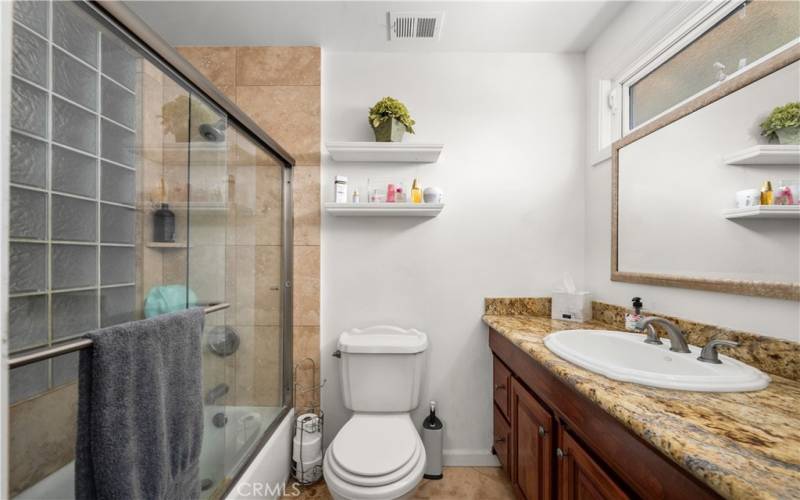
pixel 709 353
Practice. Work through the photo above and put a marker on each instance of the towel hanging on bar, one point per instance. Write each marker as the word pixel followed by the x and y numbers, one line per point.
pixel 140 410
pixel 76 345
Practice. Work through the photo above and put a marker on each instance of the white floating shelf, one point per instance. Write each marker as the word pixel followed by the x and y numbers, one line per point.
pixel 384 152
pixel 764 212
pixel 194 206
pixel 384 209
pixel 766 154
pixel 166 244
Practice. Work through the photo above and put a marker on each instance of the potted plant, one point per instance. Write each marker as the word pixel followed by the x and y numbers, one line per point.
pixel 389 119
pixel 783 123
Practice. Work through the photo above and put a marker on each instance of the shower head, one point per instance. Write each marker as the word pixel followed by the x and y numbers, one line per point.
pixel 213 132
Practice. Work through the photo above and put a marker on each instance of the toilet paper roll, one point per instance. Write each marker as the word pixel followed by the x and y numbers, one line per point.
pixel 308 472
pixel 311 447
pixel 308 422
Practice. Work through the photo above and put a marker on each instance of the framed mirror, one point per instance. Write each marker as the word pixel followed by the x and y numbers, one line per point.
pixel 686 206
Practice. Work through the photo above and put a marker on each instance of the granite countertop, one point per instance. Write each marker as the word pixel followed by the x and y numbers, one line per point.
pixel 742 445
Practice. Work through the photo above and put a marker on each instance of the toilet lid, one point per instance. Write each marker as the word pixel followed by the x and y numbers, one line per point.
pixel 375 444
pixel 332 467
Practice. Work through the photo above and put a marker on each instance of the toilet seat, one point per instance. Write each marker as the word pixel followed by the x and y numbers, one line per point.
pixel 392 477
pixel 375 456
pixel 375 444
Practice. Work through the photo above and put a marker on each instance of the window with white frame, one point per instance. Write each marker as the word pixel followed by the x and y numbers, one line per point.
pixel 720 40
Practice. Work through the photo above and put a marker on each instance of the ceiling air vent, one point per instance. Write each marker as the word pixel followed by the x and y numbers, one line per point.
pixel 415 25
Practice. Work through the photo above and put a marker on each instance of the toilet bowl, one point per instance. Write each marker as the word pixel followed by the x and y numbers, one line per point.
pixel 378 453
pixel 375 457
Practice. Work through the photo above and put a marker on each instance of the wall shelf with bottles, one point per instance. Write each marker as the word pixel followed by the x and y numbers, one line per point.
pixel 766 155
pixel 390 152
pixel 384 209
pixel 764 212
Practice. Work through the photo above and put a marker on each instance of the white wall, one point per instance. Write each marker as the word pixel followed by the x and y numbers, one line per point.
pixel 512 176
pixel 619 46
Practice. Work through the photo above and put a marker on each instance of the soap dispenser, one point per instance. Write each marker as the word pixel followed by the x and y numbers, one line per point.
pixel 633 319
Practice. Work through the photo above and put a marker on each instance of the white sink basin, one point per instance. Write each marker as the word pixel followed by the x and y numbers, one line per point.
pixel 625 357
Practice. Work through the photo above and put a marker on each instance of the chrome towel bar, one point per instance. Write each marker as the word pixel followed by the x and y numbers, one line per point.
pixel 76 345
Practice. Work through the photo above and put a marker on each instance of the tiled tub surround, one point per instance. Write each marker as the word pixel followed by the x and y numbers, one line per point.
pixel 279 87
pixel 743 445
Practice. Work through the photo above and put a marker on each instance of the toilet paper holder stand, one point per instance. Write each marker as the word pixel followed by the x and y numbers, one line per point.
pixel 305 428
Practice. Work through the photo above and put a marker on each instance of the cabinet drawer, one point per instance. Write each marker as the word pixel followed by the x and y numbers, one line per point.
pixel 502 383
pixel 502 440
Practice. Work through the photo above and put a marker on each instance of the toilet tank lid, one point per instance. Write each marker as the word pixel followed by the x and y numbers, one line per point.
pixel 383 339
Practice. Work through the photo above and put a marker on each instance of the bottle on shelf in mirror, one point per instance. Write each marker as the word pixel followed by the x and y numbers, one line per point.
pixel 416 192
pixel 766 193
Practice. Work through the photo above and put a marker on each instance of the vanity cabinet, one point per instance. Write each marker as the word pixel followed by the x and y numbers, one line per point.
pixel 555 443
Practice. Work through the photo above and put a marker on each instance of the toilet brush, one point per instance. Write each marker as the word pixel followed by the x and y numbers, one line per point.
pixel 433 439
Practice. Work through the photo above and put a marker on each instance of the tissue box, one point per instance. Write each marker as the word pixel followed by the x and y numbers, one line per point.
pixel 575 306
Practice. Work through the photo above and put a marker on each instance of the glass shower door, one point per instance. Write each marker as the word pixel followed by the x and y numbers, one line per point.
pixel 205 216
pixel 255 279
pixel 132 195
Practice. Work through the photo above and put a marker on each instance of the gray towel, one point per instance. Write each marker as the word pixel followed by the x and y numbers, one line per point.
pixel 140 410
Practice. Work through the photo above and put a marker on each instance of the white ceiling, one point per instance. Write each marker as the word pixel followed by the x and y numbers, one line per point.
pixel 487 26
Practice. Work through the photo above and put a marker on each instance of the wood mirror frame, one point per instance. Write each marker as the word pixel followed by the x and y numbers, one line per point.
pixel 788 291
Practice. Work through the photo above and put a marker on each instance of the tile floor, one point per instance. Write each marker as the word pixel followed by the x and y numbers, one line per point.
pixel 459 483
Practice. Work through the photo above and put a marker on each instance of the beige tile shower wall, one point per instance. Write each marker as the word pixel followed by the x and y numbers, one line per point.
pixel 279 87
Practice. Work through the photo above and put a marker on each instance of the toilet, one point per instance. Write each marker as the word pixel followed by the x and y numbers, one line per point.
pixel 378 453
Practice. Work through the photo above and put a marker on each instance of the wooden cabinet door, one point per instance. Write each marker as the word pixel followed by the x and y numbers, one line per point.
pixel 501 388
pixel 580 477
pixel 502 441
pixel 532 445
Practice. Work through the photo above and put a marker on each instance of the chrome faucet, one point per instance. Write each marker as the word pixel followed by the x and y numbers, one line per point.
pixel 676 339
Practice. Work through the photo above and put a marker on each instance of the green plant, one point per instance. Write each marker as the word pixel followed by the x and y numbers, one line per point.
pixel 786 116
pixel 388 108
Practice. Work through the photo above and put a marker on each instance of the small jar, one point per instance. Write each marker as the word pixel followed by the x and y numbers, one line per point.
pixel 400 194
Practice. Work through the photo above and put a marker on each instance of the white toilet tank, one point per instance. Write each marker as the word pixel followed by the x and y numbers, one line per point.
pixel 381 368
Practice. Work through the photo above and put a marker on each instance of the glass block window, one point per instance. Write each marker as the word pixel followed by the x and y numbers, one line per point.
pixel 753 30
pixel 73 169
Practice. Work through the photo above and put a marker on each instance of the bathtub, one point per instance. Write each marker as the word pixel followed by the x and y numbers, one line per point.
pixel 225 451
